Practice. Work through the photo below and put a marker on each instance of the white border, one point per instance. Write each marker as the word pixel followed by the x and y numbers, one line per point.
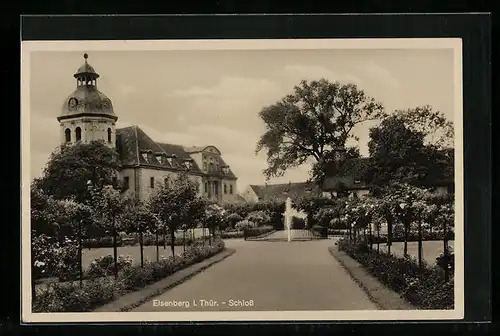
pixel 313 44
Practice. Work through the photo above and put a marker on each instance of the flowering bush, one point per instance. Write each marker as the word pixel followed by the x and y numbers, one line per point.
pixel 67 261
pixel 43 256
pixel 104 265
pixel 425 287
pixel 69 297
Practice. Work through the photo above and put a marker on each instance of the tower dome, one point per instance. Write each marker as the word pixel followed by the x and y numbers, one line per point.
pixel 87 100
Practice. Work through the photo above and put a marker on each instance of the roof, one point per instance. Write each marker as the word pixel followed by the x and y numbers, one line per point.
pixel 350 175
pixel 283 191
pixel 87 100
pixel 136 148
pixel 86 69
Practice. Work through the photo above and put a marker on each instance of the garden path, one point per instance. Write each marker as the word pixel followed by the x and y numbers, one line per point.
pixel 275 275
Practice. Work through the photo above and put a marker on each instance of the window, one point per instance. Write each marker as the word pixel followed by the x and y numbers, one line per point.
pixel 67 134
pixel 126 181
pixel 206 186
pixel 216 188
pixel 225 188
pixel 152 182
pixel 78 133
pixel 204 166
pixel 109 134
pixel 114 180
pixel 231 189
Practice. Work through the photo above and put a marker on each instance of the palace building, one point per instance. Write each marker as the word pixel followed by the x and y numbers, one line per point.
pixel 88 115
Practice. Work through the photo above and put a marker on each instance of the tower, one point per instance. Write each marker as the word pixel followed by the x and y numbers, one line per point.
pixel 87 114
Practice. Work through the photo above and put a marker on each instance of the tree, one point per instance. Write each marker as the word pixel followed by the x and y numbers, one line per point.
pixel 438 131
pixel 397 153
pixel 109 205
pixel 213 217
pixel 313 121
pixel 71 167
pixel 170 202
pixel 138 219
pixel 77 215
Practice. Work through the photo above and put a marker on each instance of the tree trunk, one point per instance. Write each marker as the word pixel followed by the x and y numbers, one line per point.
pixel 157 243
pixel 420 245
pixel 141 245
pixel 184 241
pixel 164 238
pixel 172 242
pixel 389 234
pixel 80 250
pixel 378 237
pixel 445 250
pixel 115 250
pixel 405 249
pixel 370 236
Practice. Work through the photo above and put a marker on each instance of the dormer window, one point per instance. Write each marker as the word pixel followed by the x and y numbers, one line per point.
pixel 145 154
pixel 357 181
pixel 188 164
pixel 160 158
pixel 225 169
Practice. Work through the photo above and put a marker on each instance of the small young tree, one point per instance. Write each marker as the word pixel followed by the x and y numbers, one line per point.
pixel 78 215
pixel 170 202
pixel 213 218
pixel 138 219
pixel 109 205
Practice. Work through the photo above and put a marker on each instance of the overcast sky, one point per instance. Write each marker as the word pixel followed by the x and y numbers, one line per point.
pixel 214 97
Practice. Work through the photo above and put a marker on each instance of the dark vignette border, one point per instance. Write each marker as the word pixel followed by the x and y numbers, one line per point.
pixel 474 29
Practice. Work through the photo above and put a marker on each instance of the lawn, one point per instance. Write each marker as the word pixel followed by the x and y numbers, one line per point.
pixel 431 249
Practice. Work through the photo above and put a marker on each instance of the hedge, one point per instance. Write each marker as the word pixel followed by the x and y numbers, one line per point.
pixel 148 240
pixel 70 297
pixel 425 288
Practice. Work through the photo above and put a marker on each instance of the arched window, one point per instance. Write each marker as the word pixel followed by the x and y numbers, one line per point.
pixel 109 134
pixel 78 134
pixel 67 134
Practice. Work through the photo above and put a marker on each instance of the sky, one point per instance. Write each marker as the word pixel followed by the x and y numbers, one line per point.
pixel 197 98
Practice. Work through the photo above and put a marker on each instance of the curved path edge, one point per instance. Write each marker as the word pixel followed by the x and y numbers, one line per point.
pixel 134 299
pixel 385 298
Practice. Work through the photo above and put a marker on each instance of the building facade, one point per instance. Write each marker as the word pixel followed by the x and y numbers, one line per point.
pixel 88 115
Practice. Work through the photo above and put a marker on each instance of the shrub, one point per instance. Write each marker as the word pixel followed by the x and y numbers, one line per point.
pixel 44 256
pixel 425 288
pixel 104 265
pixel 259 218
pixel 245 225
pixel 298 223
pixel 67 261
pixel 70 297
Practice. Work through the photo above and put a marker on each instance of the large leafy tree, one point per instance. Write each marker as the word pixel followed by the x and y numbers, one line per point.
pixel 396 153
pixel 438 131
pixel 312 122
pixel 400 150
pixel 71 167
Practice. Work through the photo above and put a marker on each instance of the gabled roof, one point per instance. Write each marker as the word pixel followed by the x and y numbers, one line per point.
pixel 132 144
pixel 350 174
pixel 283 191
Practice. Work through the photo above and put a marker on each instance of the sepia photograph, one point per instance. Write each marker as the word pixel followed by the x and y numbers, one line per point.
pixel 239 180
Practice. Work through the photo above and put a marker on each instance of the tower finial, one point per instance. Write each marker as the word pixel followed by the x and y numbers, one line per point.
pixel 85 56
